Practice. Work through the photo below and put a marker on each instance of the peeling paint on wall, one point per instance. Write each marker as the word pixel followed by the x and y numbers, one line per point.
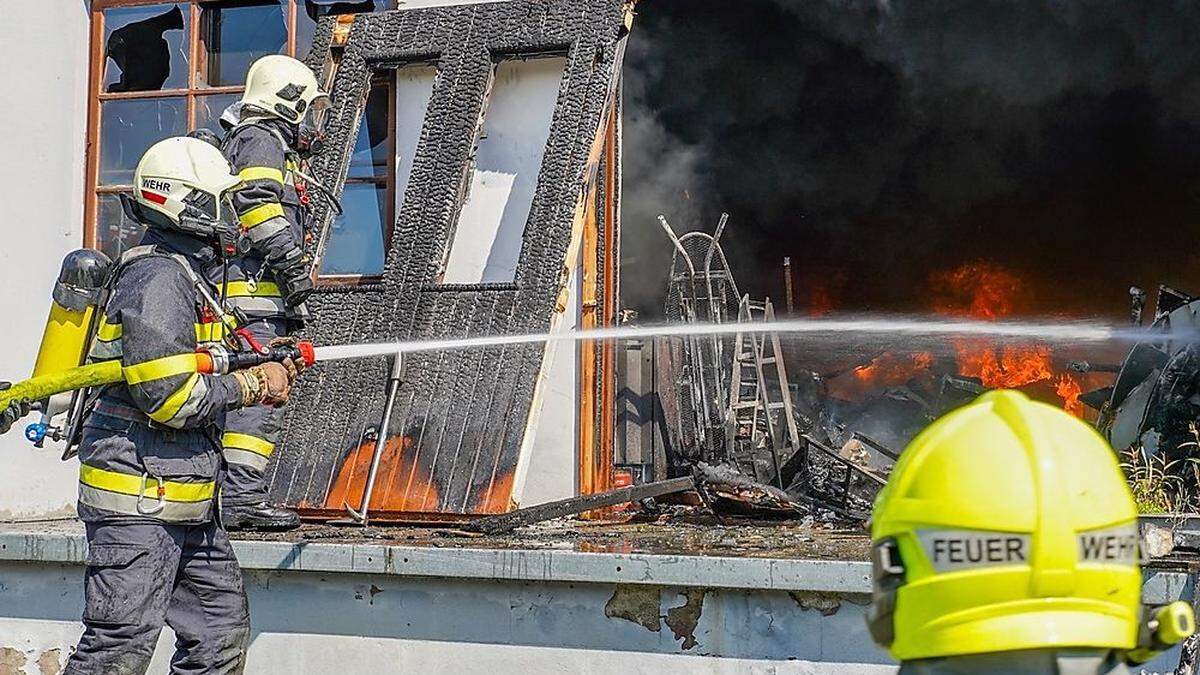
pixel 12 661
pixel 827 604
pixel 638 604
pixel 683 619
pixel 50 662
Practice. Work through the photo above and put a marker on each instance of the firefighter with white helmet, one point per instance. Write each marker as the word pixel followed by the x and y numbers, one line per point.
pixel 149 457
pixel 1006 541
pixel 270 132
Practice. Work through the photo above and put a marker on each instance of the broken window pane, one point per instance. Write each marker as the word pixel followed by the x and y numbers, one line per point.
pixel 114 232
pixel 371 152
pixel 356 238
pixel 129 127
pixel 310 11
pixel 145 48
pixel 516 125
pixel 209 109
pixel 235 34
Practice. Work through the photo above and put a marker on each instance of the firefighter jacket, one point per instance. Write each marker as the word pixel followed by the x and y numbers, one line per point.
pixel 273 210
pixel 148 448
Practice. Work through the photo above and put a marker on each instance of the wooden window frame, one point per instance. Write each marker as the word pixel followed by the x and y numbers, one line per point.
pixel 96 94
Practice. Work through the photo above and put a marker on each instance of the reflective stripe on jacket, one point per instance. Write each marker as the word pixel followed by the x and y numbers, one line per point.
pixel 149 444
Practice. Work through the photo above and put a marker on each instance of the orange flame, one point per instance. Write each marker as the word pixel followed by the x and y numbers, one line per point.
pixel 890 369
pixel 988 292
pixel 1070 391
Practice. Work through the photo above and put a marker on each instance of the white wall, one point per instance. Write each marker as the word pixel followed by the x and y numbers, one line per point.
pixel 44 52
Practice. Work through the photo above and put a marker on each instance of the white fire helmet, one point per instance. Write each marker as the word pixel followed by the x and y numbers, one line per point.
pixel 283 87
pixel 185 184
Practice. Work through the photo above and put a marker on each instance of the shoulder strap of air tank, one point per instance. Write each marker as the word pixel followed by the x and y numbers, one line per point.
pixel 258 124
pixel 201 286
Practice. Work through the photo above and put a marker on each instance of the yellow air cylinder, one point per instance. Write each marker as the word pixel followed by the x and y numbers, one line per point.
pixel 76 293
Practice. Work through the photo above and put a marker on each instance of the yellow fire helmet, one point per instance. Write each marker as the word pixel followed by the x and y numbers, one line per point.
pixel 1007 524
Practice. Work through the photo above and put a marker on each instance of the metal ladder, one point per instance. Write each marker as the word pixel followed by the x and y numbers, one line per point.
pixel 760 414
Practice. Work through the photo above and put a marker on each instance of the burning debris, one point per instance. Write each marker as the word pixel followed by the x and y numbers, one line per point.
pixel 824 439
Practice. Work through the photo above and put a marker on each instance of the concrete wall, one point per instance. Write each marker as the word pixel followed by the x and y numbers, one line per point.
pixel 44 49
pixel 348 623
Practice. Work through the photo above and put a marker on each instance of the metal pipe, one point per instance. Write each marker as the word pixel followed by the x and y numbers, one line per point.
pixel 380 443
pixel 787 284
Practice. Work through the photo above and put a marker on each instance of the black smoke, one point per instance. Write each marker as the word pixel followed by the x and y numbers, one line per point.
pixel 878 142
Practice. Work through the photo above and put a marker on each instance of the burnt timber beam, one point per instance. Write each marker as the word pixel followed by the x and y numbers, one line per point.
pixel 506 522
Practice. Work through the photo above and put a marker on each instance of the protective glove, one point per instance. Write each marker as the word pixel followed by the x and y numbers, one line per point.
pixel 265 384
pixel 15 410
pixel 294 278
pixel 296 367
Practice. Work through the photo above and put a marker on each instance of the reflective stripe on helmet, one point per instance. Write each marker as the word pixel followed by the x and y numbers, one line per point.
pixel 261 173
pixel 1111 545
pixel 260 214
pixel 168 366
pixel 954 550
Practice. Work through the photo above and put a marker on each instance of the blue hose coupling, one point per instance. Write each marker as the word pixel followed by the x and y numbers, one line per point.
pixel 36 432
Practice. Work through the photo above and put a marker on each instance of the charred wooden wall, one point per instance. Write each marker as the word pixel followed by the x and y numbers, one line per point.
pixel 460 415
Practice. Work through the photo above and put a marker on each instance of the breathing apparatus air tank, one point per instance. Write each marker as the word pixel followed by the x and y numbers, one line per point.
pixel 78 291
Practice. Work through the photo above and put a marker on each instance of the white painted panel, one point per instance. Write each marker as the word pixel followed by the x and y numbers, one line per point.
pixel 414 87
pixel 516 125
pixel 552 471
pixel 44 52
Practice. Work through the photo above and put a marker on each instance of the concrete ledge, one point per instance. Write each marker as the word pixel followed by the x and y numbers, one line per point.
pixel 828 576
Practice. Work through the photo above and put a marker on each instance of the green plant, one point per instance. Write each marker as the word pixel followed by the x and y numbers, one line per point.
pixel 1156 486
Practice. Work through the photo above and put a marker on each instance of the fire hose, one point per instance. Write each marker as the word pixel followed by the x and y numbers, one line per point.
pixel 208 361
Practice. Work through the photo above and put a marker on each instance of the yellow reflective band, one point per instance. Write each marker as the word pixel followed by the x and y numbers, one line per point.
pixel 254 444
pixel 244 289
pixel 107 332
pixel 261 173
pixel 170 407
pixel 123 483
pixel 210 332
pixel 261 214
pixel 160 368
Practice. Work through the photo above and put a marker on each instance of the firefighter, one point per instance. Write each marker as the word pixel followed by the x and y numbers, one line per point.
pixel 1006 541
pixel 149 454
pixel 266 141
pixel 15 410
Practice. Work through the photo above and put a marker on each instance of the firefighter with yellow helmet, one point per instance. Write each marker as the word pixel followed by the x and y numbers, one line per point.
pixel 1006 542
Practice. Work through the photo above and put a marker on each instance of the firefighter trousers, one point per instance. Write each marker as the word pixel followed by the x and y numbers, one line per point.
pixel 250 436
pixel 142 574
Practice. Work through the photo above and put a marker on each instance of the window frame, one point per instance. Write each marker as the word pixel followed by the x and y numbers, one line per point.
pixel 379 78
pixel 193 91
